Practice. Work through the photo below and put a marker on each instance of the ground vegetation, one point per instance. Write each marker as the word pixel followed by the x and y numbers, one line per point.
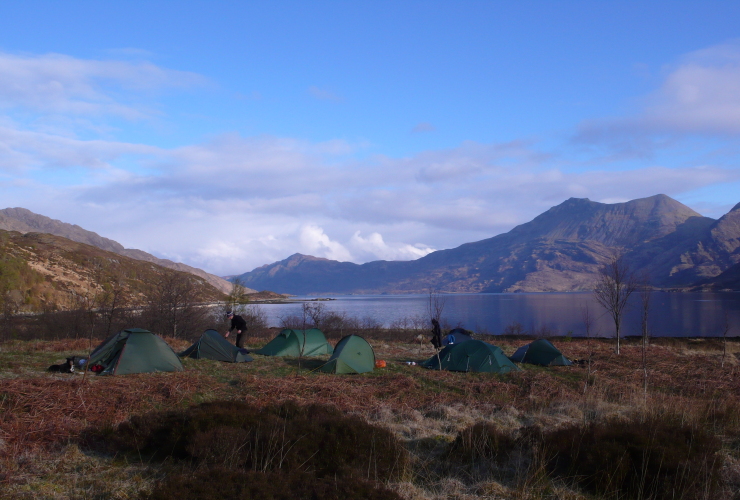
pixel 532 434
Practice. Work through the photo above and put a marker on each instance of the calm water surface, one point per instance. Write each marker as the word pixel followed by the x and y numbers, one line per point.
pixel 671 314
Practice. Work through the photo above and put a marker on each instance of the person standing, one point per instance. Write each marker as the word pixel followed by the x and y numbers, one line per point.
pixel 436 334
pixel 238 324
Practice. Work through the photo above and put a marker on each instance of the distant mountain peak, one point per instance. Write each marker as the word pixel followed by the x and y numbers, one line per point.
pixel 299 257
pixel 574 202
pixel 615 224
pixel 561 249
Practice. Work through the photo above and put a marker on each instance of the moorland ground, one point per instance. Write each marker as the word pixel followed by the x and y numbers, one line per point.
pixel 465 435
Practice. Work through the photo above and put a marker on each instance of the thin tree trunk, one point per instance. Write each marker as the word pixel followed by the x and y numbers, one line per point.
pixel 725 331
pixel 645 291
pixel 587 321
pixel 618 325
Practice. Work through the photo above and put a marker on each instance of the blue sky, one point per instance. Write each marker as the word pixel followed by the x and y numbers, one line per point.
pixel 228 135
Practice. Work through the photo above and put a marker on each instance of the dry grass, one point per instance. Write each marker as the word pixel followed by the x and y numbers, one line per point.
pixel 42 415
pixel 73 474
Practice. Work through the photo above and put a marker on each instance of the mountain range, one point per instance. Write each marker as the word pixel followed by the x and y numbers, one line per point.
pixel 560 250
pixel 25 221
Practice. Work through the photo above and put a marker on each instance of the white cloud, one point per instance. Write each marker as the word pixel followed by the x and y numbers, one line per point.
pixel 698 98
pixel 22 150
pixel 324 94
pixel 315 242
pixel 699 95
pixel 55 83
pixel 233 203
pixel 374 247
pixel 423 127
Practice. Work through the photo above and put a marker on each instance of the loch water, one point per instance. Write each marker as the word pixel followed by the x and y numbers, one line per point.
pixel 672 314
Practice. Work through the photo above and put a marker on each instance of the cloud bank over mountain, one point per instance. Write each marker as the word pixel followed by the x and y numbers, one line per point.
pixel 99 143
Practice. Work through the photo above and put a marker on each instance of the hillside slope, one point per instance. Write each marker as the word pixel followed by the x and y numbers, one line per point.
pixel 729 280
pixel 25 221
pixel 699 250
pixel 56 272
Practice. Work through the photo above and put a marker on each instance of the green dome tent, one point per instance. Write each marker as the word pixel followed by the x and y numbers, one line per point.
pixel 134 351
pixel 212 345
pixel 291 342
pixel 472 356
pixel 457 336
pixel 540 352
pixel 351 355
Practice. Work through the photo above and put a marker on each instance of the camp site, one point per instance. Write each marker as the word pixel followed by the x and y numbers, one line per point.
pixel 369 250
pixel 463 421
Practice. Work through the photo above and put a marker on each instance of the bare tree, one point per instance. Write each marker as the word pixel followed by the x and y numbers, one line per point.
pixel 87 303
pixel 615 284
pixel 305 314
pixel 317 312
pixel 435 304
pixel 588 323
pixel 514 328
pixel 112 301
pixel 237 298
pixel 645 295
pixel 725 331
pixel 173 302
pixel 11 296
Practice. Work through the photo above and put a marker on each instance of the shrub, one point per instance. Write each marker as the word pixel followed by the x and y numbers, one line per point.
pixel 288 437
pixel 544 332
pixel 660 458
pixel 515 329
pixel 228 484
pixel 481 441
pixel 722 415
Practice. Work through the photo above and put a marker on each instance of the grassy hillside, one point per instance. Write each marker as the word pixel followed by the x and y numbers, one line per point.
pixel 43 272
pixel 25 221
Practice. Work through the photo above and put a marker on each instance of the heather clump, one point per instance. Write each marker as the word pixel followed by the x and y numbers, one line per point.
pixel 288 437
pixel 657 457
pixel 228 484
pixel 722 415
pixel 481 441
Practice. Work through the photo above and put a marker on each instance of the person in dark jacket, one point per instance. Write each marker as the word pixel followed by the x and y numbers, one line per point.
pixel 238 323
pixel 436 334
